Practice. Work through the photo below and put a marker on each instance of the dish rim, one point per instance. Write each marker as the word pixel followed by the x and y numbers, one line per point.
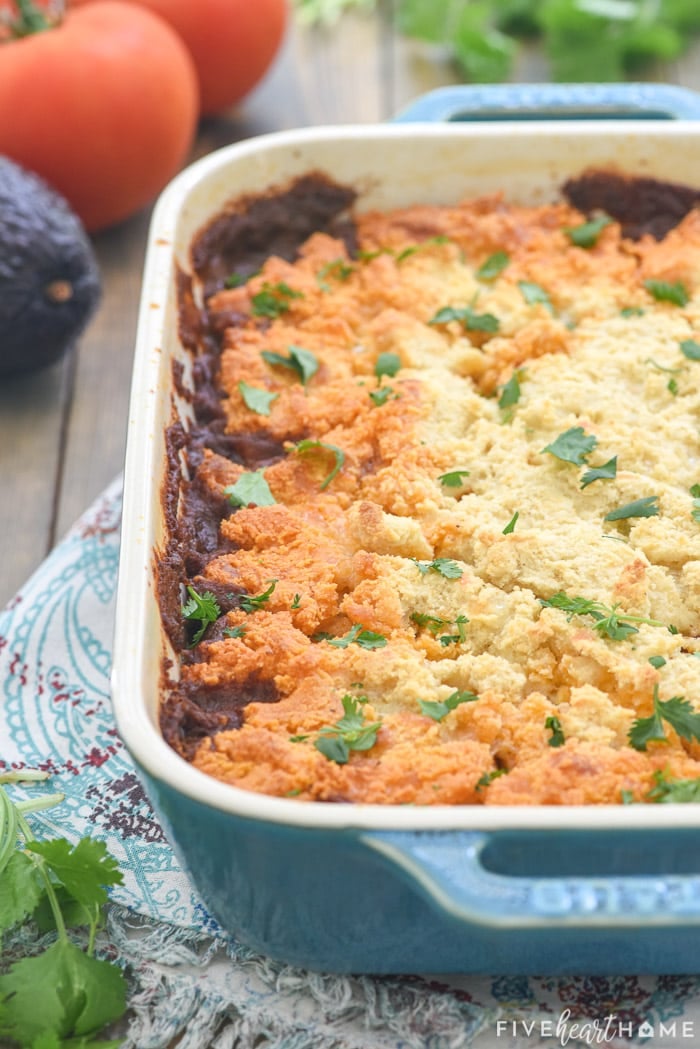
pixel 136 727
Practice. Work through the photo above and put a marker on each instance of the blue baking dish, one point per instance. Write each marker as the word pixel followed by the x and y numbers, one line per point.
pixel 364 888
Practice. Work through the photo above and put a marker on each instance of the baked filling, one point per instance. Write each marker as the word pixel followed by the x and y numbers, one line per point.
pixel 441 541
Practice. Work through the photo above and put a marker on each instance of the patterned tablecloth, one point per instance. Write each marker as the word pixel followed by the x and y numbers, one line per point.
pixel 187 979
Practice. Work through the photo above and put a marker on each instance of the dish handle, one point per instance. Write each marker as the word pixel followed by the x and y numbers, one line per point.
pixel 498 102
pixel 448 868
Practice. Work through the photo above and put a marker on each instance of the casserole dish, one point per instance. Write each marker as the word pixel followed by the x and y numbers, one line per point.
pixel 371 888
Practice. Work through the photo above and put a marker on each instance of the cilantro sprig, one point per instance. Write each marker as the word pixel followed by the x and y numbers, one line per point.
pixel 468 318
pixel 444 566
pixel 273 300
pixel 453 478
pixel 667 791
pixel 676 711
pixel 309 447
pixel 359 636
pixel 253 602
pixel 200 608
pixel 63 995
pixel 300 360
pixel 351 732
pixel 572 446
pixel 439 709
pixel 607 621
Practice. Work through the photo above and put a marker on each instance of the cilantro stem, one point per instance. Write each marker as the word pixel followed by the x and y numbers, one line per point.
pixel 23 776
pixel 46 801
pixel 40 865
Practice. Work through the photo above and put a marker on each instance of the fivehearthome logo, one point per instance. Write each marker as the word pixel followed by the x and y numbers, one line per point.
pixel 600 1031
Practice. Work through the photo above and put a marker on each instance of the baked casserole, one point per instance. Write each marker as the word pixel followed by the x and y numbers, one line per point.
pixel 439 540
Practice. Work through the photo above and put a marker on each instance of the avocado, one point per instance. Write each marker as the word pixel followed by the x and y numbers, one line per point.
pixel 49 280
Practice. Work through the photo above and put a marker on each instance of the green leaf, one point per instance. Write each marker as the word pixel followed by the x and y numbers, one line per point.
pixel 663 291
pixel 413 248
pixel 334 748
pixel 78 995
pixel 466 316
pixel 647 507
pixel 20 890
pixel 437 710
pixel 453 478
pixel 695 512
pixel 273 300
pixel 426 19
pixel 387 364
pixel 556 738
pixel 677 711
pixel 364 638
pixel 339 269
pixel 256 399
pixel 488 777
pixel 657 662
pixel 668 791
pixel 510 393
pixel 510 527
pixel 572 446
pixel 351 732
pixel 493 266
pixel 84 869
pixel 691 349
pixel 202 609
pixel 235 631
pixel 300 360
pixel 606 472
pixel 308 446
pixel 432 623
pixel 253 602
pixel 534 294
pixel 251 489
pixel 382 395
pixel 444 566
pixel 586 235
pixel 632 311
pixel 608 622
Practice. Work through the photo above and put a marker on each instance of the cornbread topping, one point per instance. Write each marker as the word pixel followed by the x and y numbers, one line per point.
pixel 441 537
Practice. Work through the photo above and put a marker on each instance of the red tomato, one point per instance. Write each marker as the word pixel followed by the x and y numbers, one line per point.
pixel 103 106
pixel 232 42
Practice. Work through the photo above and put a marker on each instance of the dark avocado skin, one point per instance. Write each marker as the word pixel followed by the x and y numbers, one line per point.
pixel 41 242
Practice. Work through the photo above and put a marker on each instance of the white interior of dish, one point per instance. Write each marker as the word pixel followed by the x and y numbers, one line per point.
pixel 390 166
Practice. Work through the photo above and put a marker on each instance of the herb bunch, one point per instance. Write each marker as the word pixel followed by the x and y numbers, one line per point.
pixel 63 997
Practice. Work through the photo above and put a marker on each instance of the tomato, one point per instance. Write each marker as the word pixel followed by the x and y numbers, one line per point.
pixel 103 105
pixel 232 42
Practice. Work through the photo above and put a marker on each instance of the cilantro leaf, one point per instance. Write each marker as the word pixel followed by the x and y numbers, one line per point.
pixel 695 512
pixel 534 294
pixel 364 638
pixel 647 507
pixel 488 777
pixel 453 478
pixel 437 710
pixel 553 724
pixel 510 392
pixel 382 395
pixel 657 662
pixel 307 446
pixel 586 235
pixel 632 311
pixel 302 361
pixel 20 890
pixel 510 527
pixel 83 869
pixel 202 609
pixel 466 316
pixel 251 489
pixel 461 635
pixel 608 622
pixel 664 291
pixel 256 399
pixel 79 995
pixel 339 269
pixel 235 631
pixel 413 248
pixel 667 791
pixel 432 623
pixel 691 349
pixel 493 266
pixel 606 472
pixel 350 732
pixel 572 446
pixel 444 566
pixel 387 364
pixel 273 300
pixel 253 602
pixel 679 714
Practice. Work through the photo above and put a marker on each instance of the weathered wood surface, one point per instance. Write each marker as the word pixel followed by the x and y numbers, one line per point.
pixel 62 433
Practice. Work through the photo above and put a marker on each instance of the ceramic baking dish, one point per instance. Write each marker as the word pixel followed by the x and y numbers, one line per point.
pixel 367 888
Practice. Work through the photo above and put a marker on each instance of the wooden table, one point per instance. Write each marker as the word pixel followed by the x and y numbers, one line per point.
pixel 62 432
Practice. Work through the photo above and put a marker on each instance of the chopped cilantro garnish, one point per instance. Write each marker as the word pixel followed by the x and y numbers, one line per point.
pixel 606 472
pixel 251 489
pixel 691 349
pixel 586 235
pixel 431 623
pixel 455 639
pixel 387 364
pixel 382 395
pixel 510 392
pixel 453 478
pixel 664 291
pixel 296 601
pixel 253 602
pixel 510 527
pixel 273 300
pixel 405 253
pixel 632 311
pixel 488 778
pixel 608 622
pixel 303 362
pixel 556 738
pixel 534 294
pixel 647 507
pixel 200 608
pixel 359 636
pixel 493 266
pixel 437 710
pixel 256 399
pixel 339 269
pixel 466 316
pixel 235 280
pixel 309 447
pixel 235 631
pixel 572 446
pixel 667 791
pixel 445 566
pixel 627 797
pixel 351 732
pixel 672 387
pixel 679 714
pixel 657 662
pixel 695 512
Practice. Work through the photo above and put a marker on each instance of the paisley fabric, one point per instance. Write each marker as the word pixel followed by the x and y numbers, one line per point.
pixel 189 982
